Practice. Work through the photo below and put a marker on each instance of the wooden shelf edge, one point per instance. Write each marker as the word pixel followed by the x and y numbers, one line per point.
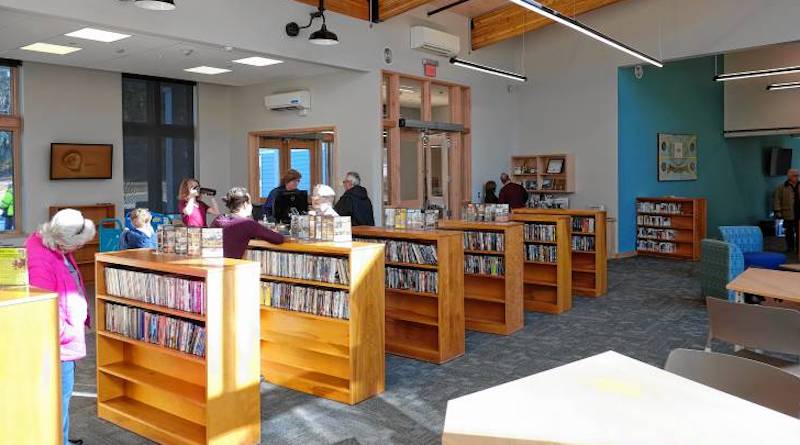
pixel 154 347
pixel 152 307
pixel 411 292
pixel 483 298
pixel 412 265
pixel 411 317
pixel 154 379
pixel 303 282
pixel 303 314
pixel 150 422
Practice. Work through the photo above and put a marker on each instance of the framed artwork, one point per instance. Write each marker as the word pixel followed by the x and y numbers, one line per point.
pixel 555 166
pixel 81 161
pixel 547 184
pixel 677 157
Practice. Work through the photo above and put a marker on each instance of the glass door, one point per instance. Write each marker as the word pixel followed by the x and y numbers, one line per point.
pixel 410 172
pixel 436 148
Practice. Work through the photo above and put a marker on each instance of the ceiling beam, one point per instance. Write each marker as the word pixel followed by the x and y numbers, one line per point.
pixel 353 8
pixel 391 8
pixel 512 20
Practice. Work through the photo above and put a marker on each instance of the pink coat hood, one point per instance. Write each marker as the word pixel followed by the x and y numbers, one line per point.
pixel 46 270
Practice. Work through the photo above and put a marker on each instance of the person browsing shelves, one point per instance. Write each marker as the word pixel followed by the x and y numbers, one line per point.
pixel 192 208
pixel 355 202
pixel 489 195
pixel 238 226
pixel 289 183
pixel 512 193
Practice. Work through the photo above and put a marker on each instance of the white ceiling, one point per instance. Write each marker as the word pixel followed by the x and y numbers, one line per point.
pixel 139 54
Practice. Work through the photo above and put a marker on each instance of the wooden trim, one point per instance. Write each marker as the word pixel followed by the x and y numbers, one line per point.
pixel 354 8
pixel 392 8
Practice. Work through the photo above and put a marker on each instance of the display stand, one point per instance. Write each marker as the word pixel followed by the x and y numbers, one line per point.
pixel 669 233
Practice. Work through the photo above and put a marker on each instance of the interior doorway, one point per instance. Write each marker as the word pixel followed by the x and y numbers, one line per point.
pixel 436 151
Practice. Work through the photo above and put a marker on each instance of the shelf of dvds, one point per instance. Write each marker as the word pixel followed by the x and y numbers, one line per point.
pixel 435 292
pixel 335 351
pixel 587 232
pixel 670 227
pixel 493 303
pixel 177 347
pixel 547 271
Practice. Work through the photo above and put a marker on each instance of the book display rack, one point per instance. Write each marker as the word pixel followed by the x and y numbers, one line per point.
pixel 493 263
pixel 177 347
pixel 670 227
pixel 322 322
pixel 424 291
pixel 545 174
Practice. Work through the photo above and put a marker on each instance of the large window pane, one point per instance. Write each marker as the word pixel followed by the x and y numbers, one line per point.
pixel 176 104
pixel 178 163
pixel 6 92
pixel 6 181
pixel 440 103
pixel 409 166
pixel 301 161
pixel 136 165
pixel 269 165
pixel 135 101
pixel 325 163
pixel 410 99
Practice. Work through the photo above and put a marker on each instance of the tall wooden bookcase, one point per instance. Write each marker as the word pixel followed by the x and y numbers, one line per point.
pixel 339 359
pixel 589 263
pixel 174 397
pixel 85 255
pixel 548 284
pixel 531 171
pixel 492 303
pixel 670 234
pixel 423 325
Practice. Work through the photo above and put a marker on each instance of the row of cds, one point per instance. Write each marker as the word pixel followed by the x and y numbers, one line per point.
pixel 657 234
pixel 154 328
pixel 656 246
pixel 411 279
pixel 163 290
pixel 324 302
pixel 654 220
pixel 542 254
pixel 483 265
pixel 321 228
pixel 307 267
pixel 486 212
pixel 583 243
pixel 540 232
pixel 191 241
pixel 484 241
pixel 583 224
pixel 670 208
pixel 415 219
pixel 406 252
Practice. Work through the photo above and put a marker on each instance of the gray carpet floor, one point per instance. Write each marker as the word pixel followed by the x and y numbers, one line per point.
pixel 653 305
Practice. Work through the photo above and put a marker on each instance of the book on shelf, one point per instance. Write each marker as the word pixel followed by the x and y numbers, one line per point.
pixel 406 251
pixel 13 266
pixel 582 224
pixel 191 241
pixel 486 212
pixel 412 279
pixel 181 240
pixel 484 265
pixel 162 290
pixel 541 253
pixel 406 218
pixel 583 243
pixel 194 245
pixel 540 232
pixel 312 300
pixel 302 266
pixel 211 243
pixel 150 327
pixel 656 246
pixel 657 234
pixel 668 208
pixel 321 228
pixel 654 220
pixel 489 241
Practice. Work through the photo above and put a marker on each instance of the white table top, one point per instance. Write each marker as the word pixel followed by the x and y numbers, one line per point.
pixel 612 399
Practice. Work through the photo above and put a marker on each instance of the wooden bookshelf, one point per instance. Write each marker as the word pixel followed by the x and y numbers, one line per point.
pixel 85 255
pixel 589 265
pixel 530 171
pixel 689 226
pixel 169 396
pixel 30 367
pixel 548 285
pixel 421 325
pixel 494 304
pixel 339 359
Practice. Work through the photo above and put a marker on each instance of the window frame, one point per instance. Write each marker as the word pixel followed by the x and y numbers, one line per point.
pixel 13 124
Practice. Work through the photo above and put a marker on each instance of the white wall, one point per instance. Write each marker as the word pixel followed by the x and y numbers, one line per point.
pixel 214 126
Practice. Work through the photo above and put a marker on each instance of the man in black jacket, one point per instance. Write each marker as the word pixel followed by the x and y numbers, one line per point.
pixel 355 203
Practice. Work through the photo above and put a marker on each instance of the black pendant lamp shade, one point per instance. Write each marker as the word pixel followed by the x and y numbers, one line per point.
pixel 156 5
pixel 319 37
pixel 323 37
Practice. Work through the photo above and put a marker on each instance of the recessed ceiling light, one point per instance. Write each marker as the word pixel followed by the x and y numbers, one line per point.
pixel 97 35
pixel 257 61
pixel 210 70
pixel 50 48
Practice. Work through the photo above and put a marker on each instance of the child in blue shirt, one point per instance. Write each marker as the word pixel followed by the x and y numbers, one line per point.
pixel 142 235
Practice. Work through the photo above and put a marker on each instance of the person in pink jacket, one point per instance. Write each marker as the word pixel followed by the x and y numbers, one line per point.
pixel 51 266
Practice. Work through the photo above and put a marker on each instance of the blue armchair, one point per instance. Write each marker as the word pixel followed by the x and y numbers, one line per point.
pixel 720 263
pixel 750 241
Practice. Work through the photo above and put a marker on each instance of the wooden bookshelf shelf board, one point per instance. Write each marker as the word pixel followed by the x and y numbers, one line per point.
pixel 497 301
pixel 410 336
pixel 483 252
pixel 412 265
pixel 335 358
pixel 170 396
pixel 85 255
pixel 583 261
pixel 689 226
pixel 562 182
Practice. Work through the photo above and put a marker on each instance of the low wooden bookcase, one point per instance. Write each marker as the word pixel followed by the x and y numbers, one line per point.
pixel 589 261
pixel 493 303
pixel 335 358
pixel 670 227
pixel 174 397
pixel 422 325
pixel 548 284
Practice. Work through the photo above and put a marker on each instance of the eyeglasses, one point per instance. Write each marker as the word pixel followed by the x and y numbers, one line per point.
pixel 83 226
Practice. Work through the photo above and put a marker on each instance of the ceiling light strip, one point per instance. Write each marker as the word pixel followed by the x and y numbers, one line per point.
pixel 488 69
pixel 556 16
pixel 783 86
pixel 757 73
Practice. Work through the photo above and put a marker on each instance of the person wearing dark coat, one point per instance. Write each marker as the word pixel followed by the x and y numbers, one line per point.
pixel 512 193
pixel 355 202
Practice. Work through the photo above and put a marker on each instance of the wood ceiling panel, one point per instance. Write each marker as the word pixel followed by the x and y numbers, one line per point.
pixel 472 8
pixel 391 8
pixel 354 8
pixel 512 20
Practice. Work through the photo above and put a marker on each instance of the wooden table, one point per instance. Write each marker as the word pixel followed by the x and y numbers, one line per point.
pixel 767 283
pixel 611 399
pixel 791 267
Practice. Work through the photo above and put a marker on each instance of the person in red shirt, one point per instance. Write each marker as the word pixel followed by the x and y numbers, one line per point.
pixel 238 226
pixel 191 207
pixel 512 193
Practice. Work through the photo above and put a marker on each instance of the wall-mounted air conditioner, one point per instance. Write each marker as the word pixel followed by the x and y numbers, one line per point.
pixel 294 100
pixel 433 41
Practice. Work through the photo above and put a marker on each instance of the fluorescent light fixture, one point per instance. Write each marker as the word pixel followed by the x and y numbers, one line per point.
pixel 783 86
pixel 210 70
pixel 258 61
pixel 156 5
pixel 757 73
pixel 407 90
pixel 556 16
pixel 488 69
pixel 49 48
pixel 98 35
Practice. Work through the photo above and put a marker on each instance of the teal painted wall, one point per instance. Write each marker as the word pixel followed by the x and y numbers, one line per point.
pixel 683 98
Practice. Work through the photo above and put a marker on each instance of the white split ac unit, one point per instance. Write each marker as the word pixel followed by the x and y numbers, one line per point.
pixel 294 100
pixel 433 41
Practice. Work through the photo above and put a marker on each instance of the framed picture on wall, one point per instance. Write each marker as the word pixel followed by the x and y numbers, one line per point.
pixel 81 161
pixel 555 166
pixel 677 157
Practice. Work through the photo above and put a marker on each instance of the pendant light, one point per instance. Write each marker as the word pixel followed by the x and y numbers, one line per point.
pixel 156 5
pixel 320 37
pixel 487 69
pixel 783 86
pixel 757 73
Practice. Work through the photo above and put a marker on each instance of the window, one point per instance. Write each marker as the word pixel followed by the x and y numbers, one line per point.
pixel 10 125
pixel 158 140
